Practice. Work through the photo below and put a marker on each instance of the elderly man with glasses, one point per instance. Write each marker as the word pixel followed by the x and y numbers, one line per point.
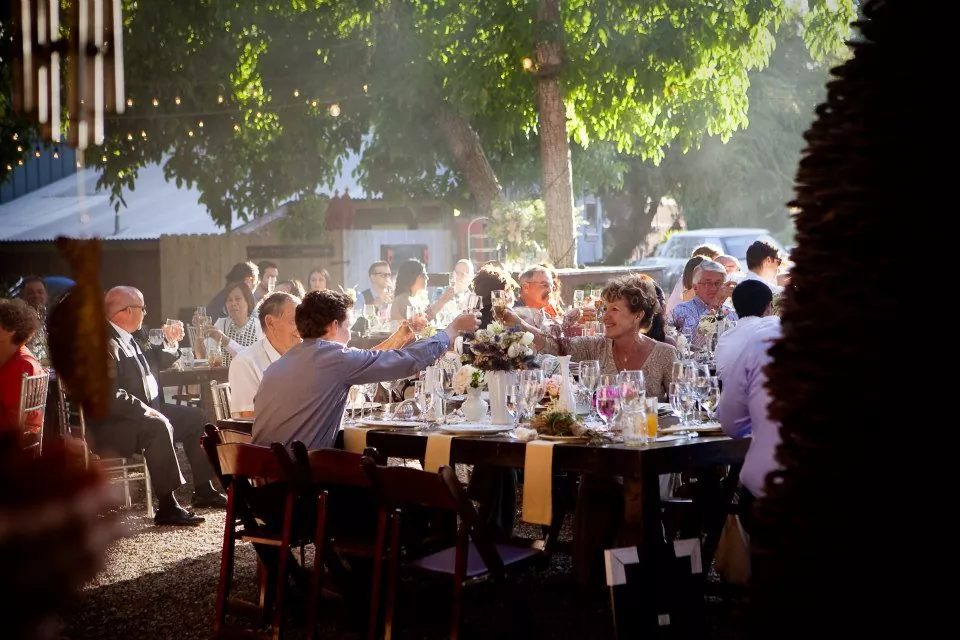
pixel 708 284
pixel 140 421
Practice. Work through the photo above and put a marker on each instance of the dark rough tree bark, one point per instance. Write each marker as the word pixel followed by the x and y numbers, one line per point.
pixel 831 542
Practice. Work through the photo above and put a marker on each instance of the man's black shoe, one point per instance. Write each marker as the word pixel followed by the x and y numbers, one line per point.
pixel 208 499
pixel 177 517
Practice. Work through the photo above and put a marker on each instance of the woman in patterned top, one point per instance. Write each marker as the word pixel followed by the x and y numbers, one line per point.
pixel 631 306
pixel 240 328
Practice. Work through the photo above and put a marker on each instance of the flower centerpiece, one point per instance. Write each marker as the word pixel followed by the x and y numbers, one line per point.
pixel 560 423
pixel 710 326
pixel 497 351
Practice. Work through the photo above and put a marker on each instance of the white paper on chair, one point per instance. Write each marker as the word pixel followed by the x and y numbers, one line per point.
pixel 690 547
pixel 615 559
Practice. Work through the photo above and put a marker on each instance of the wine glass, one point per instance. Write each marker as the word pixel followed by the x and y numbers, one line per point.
pixel 608 403
pixel 530 392
pixel 472 302
pixel 590 379
pixel 633 389
pixel 709 402
pixel 156 337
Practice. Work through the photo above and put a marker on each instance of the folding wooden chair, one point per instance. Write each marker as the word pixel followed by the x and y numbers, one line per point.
pixel 475 555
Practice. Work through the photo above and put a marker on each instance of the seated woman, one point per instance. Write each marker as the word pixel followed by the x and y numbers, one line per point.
pixel 318 280
pixel 411 280
pixel 18 322
pixel 631 306
pixel 293 287
pixel 241 327
pixel 490 278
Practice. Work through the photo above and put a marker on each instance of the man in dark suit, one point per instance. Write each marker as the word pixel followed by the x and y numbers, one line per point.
pixel 141 421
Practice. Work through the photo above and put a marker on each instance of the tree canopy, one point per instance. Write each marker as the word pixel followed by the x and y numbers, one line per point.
pixel 258 101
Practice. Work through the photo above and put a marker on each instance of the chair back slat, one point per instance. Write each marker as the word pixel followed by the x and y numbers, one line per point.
pixel 249 461
pixel 234 436
pixel 331 466
pixel 397 486
pixel 221 399
pixel 33 402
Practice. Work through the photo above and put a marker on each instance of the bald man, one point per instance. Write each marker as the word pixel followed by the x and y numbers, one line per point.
pixel 140 421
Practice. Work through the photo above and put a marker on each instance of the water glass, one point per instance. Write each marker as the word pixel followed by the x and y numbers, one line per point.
pixel 186 356
pixel 156 337
pixel 634 427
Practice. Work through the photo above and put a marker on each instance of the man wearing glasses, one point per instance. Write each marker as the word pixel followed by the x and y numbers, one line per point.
pixel 708 280
pixel 763 264
pixel 536 287
pixel 380 292
pixel 140 421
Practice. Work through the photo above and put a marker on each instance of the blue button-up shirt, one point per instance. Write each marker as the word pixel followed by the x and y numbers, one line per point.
pixel 690 312
pixel 303 394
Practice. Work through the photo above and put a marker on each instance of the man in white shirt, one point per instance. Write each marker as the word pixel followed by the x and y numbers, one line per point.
pixel 277 319
pixel 763 264
pixel 753 302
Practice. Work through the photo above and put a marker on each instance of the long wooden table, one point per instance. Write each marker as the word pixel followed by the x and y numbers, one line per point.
pixel 200 376
pixel 640 468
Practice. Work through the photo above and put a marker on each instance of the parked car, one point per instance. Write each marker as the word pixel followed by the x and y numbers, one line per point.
pixel 673 254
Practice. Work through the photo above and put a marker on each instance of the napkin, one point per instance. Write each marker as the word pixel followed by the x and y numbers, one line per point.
pixel 354 439
pixel 438 452
pixel 538 482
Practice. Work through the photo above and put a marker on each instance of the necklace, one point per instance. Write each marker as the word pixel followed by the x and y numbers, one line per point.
pixel 626 356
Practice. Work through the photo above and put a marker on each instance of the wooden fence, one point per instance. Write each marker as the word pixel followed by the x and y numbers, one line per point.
pixel 194 267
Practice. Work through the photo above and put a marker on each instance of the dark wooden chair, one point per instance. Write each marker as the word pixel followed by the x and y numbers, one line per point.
pixel 250 472
pixel 474 556
pixel 331 477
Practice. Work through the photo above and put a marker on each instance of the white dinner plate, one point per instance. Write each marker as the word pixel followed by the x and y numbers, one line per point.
pixel 475 429
pixel 713 427
pixel 366 405
pixel 392 424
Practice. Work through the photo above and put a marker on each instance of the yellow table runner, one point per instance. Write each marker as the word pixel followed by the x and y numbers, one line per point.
pixel 538 482
pixel 438 452
pixel 354 439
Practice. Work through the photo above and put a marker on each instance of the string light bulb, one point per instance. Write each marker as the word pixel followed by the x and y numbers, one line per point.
pixel 176 100
pixel 20 162
pixel 156 102
pixel 36 152
pixel 19 148
pixel 190 133
pixel 143 134
pixel 16 137
pixel 104 158
pixel 219 99
pixel 9 168
pixel 296 93
pixel 236 127
pixel 56 153
pixel 335 109
pixel 313 104
pixel 129 102
pixel 527 63
pixel 129 136
pixel 200 124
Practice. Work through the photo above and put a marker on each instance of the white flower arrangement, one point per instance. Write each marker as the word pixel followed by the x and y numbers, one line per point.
pixel 467 376
pixel 499 349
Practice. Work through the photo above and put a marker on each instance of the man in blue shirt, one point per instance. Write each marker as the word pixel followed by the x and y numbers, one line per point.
pixel 303 394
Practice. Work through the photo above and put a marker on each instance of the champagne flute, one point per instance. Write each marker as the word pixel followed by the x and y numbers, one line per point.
pixel 578 297
pixel 499 301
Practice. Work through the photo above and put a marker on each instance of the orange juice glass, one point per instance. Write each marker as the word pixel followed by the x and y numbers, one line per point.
pixel 652 420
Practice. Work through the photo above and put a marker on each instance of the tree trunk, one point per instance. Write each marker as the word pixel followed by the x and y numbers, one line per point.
pixel 635 229
pixel 470 159
pixel 557 181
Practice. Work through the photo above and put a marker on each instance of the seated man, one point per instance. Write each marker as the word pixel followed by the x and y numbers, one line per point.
pixel 744 403
pixel 753 302
pixel 276 316
pixel 708 284
pixel 303 394
pixel 536 287
pixel 141 421
pixel 277 319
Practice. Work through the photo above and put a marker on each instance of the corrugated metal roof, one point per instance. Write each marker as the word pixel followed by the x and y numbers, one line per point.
pixel 156 207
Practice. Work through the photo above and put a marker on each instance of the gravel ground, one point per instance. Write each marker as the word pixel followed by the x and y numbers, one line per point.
pixel 161 583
